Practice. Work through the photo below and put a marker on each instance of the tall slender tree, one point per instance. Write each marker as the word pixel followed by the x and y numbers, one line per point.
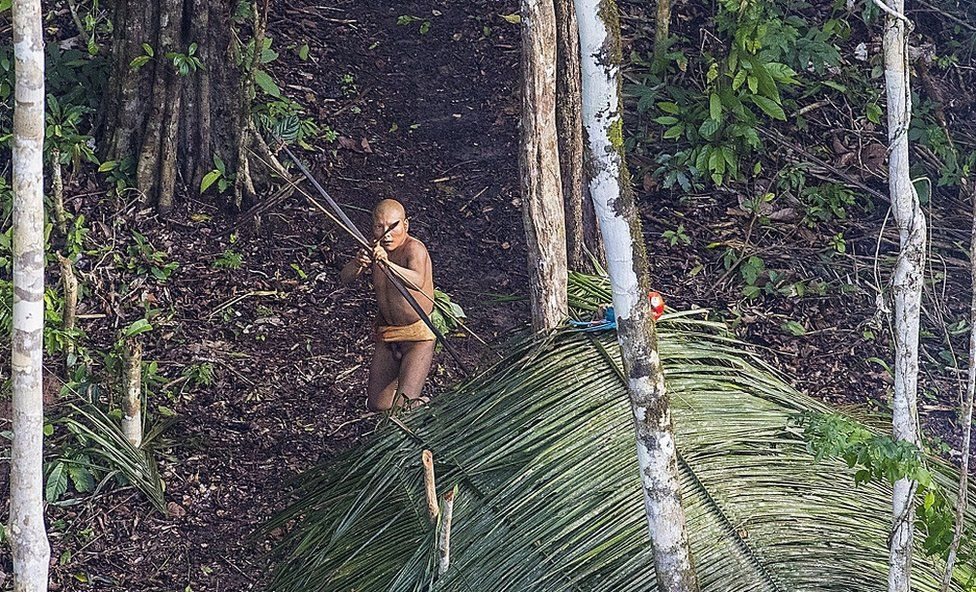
pixel 542 205
pixel 906 283
pixel 569 123
pixel 28 539
pixel 613 199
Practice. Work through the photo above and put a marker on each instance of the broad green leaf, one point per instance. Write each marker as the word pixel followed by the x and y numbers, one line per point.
pixel 873 113
pixel 834 85
pixel 513 18
pixel 674 132
pixel 715 107
pixel 781 73
pixel 303 52
pixel 767 86
pixel 794 328
pixel 137 328
pixel 666 120
pixel 57 483
pixel 668 107
pixel 108 165
pixel 709 127
pixel 740 77
pixel 769 107
pixel 266 83
pixel 81 478
pixel 209 180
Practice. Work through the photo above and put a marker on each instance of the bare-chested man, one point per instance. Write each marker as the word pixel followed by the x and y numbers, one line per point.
pixel 404 344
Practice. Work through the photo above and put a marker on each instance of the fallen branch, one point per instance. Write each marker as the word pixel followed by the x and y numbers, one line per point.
pixel 427 458
pixel 444 540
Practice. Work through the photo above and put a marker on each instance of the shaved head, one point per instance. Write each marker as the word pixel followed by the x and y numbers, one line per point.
pixel 389 207
pixel 390 224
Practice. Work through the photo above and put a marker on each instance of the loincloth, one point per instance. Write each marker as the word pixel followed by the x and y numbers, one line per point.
pixel 418 331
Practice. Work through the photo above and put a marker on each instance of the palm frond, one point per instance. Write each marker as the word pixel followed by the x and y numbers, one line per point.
pixel 105 441
pixel 542 448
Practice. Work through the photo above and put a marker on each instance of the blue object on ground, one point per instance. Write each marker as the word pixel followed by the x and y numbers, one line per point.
pixel 608 322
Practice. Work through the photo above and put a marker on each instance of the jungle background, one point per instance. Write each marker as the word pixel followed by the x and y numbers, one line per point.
pixel 254 368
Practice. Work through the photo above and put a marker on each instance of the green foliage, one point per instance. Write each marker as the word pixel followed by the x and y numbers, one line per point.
pixel 119 174
pixel 823 202
pixel 447 315
pixel 677 236
pixel 143 259
pixel 262 79
pixel 409 19
pixel 200 374
pixel 877 457
pixel 229 259
pixel 141 60
pixel 277 115
pixel 218 175
pixel 61 133
pixel 104 453
pixel 185 63
pixel 287 121
pixel 747 83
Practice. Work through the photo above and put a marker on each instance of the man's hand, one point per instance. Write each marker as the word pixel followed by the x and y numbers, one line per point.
pixel 379 254
pixel 363 259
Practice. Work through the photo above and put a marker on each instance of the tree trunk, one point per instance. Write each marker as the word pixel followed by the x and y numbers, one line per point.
pixel 28 540
pixel 132 401
pixel 542 206
pixel 613 199
pixel 569 124
pixel 906 284
pixel 57 191
pixel 171 125
pixel 662 28
pixel 69 283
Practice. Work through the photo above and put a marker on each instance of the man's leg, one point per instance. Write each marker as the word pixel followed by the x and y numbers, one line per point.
pixel 383 372
pixel 414 367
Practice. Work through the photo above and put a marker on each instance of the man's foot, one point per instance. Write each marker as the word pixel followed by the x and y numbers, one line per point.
pixel 413 402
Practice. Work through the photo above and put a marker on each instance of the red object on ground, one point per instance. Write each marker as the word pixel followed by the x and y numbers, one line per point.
pixel 657 304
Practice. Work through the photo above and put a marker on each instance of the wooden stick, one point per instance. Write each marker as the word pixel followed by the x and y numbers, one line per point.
pixel 444 540
pixel 70 284
pixel 57 189
pixel 132 402
pixel 427 458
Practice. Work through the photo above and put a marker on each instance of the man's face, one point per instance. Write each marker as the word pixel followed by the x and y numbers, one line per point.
pixel 382 221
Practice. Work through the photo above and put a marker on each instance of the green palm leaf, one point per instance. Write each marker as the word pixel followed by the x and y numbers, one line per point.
pixel 542 448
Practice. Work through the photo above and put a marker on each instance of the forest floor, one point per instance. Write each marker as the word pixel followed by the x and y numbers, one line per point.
pixel 425 111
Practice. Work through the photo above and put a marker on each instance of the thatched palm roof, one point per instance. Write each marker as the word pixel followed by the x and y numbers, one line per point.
pixel 542 449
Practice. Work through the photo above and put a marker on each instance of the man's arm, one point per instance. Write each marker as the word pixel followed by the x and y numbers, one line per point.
pixel 416 265
pixel 354 269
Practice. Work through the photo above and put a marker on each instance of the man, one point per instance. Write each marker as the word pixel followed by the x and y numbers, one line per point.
pixel 404 343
